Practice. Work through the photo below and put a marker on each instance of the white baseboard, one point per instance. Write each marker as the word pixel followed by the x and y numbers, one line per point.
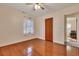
pixel 59 42
pixel 5 44
pixel 25 39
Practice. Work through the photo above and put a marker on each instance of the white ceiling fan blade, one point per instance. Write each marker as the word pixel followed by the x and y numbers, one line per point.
pixel 29 3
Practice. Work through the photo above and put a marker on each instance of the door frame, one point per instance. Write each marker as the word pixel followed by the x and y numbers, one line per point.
pixel 65 21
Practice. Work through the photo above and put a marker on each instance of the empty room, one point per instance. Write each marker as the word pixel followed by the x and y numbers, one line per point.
pixel 39 29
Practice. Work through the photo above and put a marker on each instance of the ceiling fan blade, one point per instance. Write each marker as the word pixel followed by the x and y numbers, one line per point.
pixel 29 3
pixel 42 8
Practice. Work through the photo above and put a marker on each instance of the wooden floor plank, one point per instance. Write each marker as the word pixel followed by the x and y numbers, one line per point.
pixel 38 47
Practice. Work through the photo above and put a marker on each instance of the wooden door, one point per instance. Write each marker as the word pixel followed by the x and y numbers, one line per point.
pixel 49 29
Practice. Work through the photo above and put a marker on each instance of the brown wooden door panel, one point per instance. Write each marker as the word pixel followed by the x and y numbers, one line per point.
pixel 49 29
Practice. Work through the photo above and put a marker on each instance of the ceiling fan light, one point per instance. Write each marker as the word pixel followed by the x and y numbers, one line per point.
pixel 36 6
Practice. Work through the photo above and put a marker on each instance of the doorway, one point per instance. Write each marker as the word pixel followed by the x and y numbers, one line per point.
pixel 49 29
pixel 71 30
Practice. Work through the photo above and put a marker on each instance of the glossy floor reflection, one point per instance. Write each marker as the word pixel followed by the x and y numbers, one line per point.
pixel 37 47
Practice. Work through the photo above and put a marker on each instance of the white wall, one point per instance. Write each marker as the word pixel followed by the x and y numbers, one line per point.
pixel 11 26
pixel 58 23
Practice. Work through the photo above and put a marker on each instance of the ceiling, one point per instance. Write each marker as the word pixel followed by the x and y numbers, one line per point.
pixel 48 7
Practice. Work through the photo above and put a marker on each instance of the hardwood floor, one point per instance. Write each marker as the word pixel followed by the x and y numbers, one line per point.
pixel 37 47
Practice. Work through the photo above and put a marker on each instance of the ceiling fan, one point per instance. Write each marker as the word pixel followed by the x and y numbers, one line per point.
pixel 36 6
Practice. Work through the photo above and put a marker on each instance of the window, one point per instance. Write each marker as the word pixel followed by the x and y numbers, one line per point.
pixel 28 26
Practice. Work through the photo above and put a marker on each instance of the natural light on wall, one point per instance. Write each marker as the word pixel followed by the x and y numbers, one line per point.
pixel 28 26
pixel 68 29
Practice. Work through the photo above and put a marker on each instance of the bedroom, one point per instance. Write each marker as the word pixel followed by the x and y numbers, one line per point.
pixel 23 29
